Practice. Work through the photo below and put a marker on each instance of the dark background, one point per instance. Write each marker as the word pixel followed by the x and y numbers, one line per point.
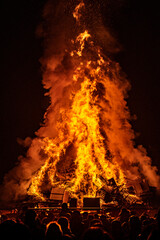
pixel 135 24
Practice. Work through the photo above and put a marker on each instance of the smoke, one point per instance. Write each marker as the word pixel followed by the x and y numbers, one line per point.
pixel 55 29
pixel 58 29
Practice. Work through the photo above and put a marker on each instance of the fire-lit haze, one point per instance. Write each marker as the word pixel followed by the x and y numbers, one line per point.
pixel 86 138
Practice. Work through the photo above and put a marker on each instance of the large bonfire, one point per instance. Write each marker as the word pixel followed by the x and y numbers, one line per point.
pixel 94 140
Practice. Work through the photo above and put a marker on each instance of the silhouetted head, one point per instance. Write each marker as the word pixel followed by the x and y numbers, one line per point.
pixel 85 215
pixel 124 215
pixel 103 217
pixel 96 223
pixel 143 217
pixel 21 231
pixel 96 216
pixel 95 233
pixel 6 229
pixel 53 231
pixel 76 216
pixel 116 229
pixel 135 225
pixel 30 217
pixel 63 221
pixel 90 217
pixel 64 206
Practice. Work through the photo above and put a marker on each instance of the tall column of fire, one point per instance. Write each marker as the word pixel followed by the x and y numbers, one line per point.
pixel 95 140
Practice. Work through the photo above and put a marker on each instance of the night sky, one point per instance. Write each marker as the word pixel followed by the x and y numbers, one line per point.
pixel 136 26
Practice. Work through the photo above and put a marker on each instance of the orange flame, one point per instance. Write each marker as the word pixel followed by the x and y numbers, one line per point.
pixel 76 13
pixel 95 139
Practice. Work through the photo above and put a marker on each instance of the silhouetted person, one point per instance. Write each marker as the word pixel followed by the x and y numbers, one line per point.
pixel 85 215
pixel 64 210
pixel 21 231
pixel 54 231
pixel 95 233
pixel 124 215
pixel 10 230
pixel 37 232
pixel 90 218
pixel 105 222
pixel 85 220
pixel 125 230
pixel 117 233
pixel 6 229
pixel 30 218
pixel 63 222
pixel 76 224
pixel 134 227
pixel 147 229
pixel 96 216
pixel 155 234
pixel 96 223
pixel 143 217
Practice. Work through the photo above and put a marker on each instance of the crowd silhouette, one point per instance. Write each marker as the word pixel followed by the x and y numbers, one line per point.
pixel 28 224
